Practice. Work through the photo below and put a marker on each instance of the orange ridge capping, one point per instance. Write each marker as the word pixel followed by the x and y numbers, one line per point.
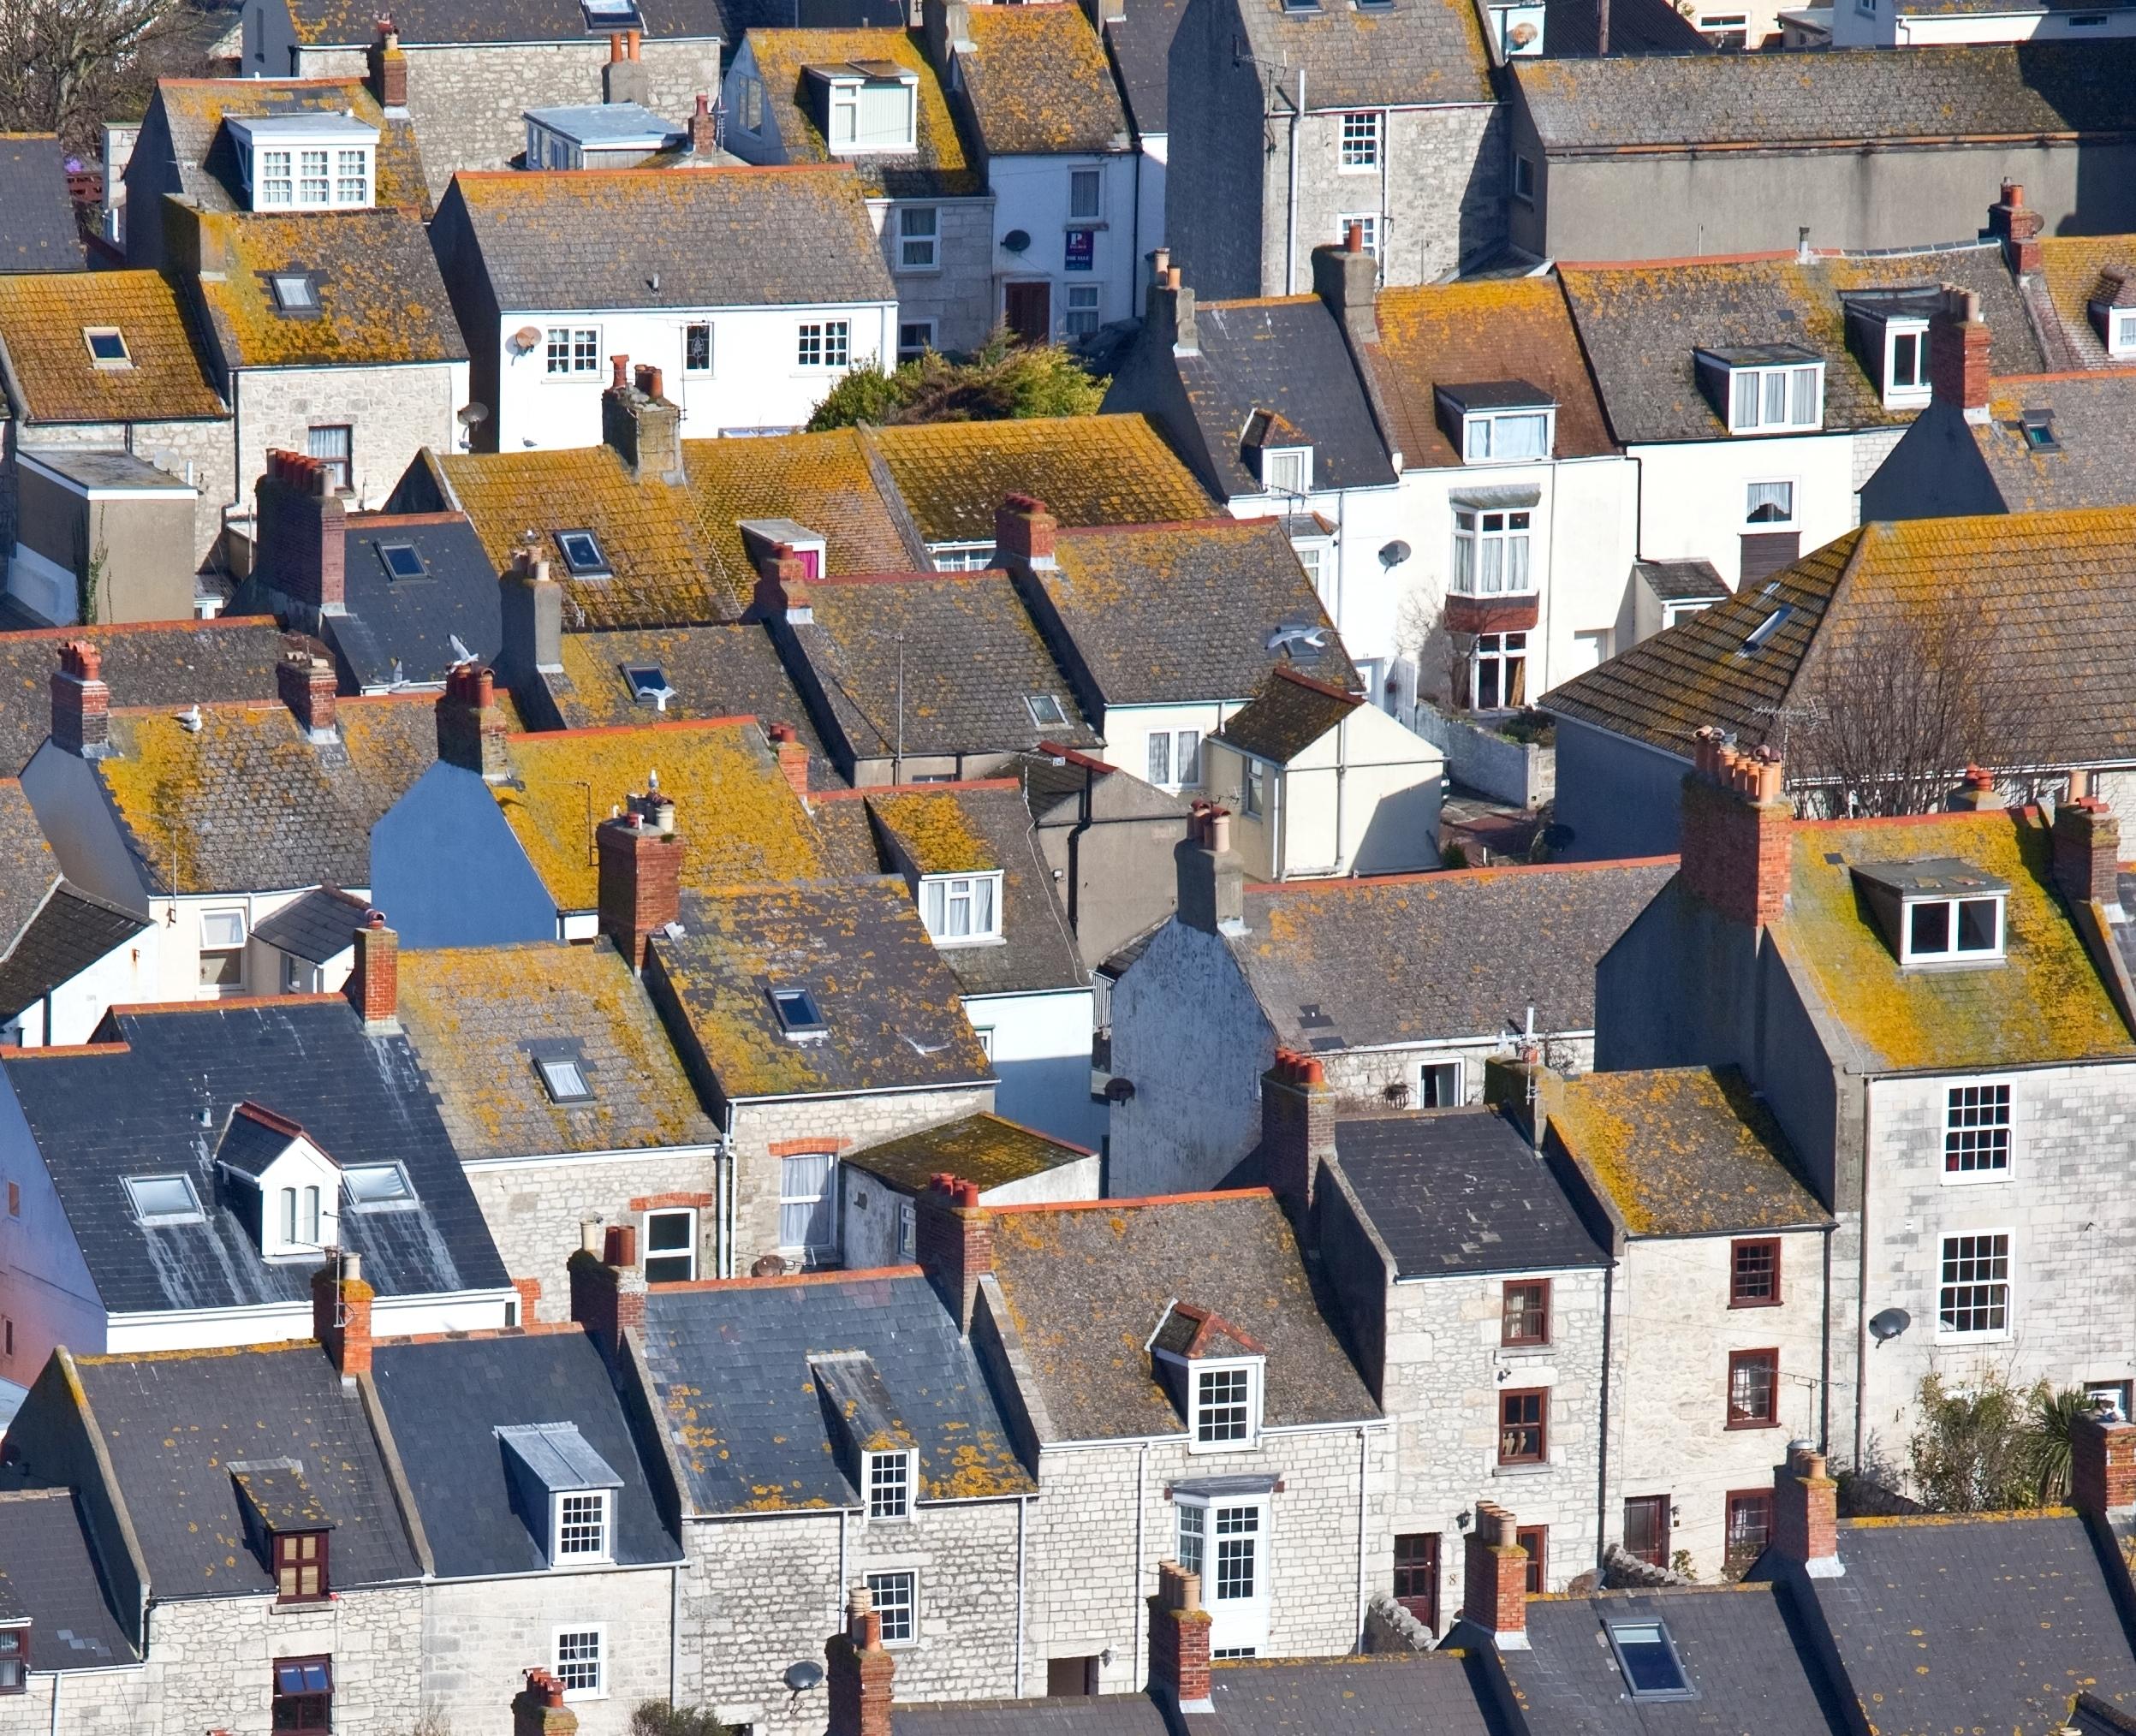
pixel 529 1329
pixel 1221 522
pixel 2106 373
pixel 1284 672
pixel 876 790
pixel 1439 877
pixel 666 177
pixel 836 1274
pixel 1072 756
pixel 100 635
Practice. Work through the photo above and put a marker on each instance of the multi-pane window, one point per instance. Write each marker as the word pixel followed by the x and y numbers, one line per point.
pixel 889 1485
pixel 1223 1405
pixel 915 337
pixel 334 445
pixel 299 1565
pixel 1174 758
pixel 1360 142
pixel 1081 316
pixel 1524 1426
pixel 1506 438
pixel 1491 552
pixel 1417 1575
pixel 1526 1317
pixel 1975 1297
pixel 578 1662
pixel 1750 1523
pixel 1192 1528
pixel 894 1596
pixel 1780 397
pixel 824 343
pixel 14 1660
pixel 917 236
pixel 1366 223
pixel 352 178
pixel 697 348
pixel 1977 1130
pixel 1754 1272
pixel 961 907
pixel 273 184
pixel 304 1693
pixel 671 1245
pixel 573 349
pixel 1238 1552
pixel 808 1208
pixel 312 184
pixel 1500 664
pixel 1754 1388
pixel 1536 1540
pixel 582 1523
pixel 298 1218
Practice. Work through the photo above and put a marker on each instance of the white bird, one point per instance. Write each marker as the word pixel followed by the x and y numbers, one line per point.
pixel 926 1048
pixel 461 654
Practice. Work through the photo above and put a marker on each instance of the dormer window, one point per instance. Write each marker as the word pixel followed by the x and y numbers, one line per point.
pixel 2120 332
pixel 2112 306
pixel 1499 421
pixel 1224 1407
pixel 286 1523
pixel 1942 912
pixel 300 1567
pixel 1906 363
pixel 962 907
pixel 1886 330
pixel 869 105
pixel 287 1191
pixel 1215 1373
pixel 889 1485
pixel 1765 388
pixel 315 162
pixel 563 1489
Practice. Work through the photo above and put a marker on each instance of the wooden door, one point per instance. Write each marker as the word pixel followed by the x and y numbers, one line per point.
pixel 1029 310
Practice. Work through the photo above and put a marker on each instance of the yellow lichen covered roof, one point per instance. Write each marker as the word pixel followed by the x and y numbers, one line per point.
pixel 934 832
pixel 2046 1003
pixel 2071 268
pixel 380 297
pixel 984 1149
pixel 1038 82
pixel 1089 470
pixel 206 157
pixel 740 819
pixel 938 163
pixel 479 1018
pixel 1687 1150
pixel 825 482
pixel 42 315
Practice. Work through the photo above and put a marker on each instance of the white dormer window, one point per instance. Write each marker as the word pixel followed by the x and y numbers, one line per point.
pixel 1938 930
pixel 1224 1415
pixel 2120 332
pixel 889 1485
pixel 316 162
pixel 563 1489
pixel 301 1219
pixel 1499 421
pixel 1906 364
pixel 869 108
pixel 1767 388
pixel 582 1526
pixel 1938 912
pixel 962 908
pixel 1287 470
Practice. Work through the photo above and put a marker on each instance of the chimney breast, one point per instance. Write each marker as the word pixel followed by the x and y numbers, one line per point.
pixel 1211 879
pixel 2102 1465
pixel 2087 852
pixel 1178 1640
pixel 303 530
pixel 1737 830
pixel 703 128
pixel 533 602
pixel 2014 224
pixel 608 1291
pixel 626 78
pixel 860 1672
pixel 305 683
pixel 1958 353
pixel 1495 1579
pixel 471 728
pixel 373 988
pixel 81 704
pixel 388 68
pixel 793 756
pixel 1806 1513
pixel 640 877
pixel 1297 1128
pixel 1024 532
pixel 953 1241
pixel 1346 278
pixel 537 1709
pixel 341 1315
pixel 643 426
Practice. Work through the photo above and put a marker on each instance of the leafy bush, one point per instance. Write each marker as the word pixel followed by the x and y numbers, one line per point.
pixel 1001 380
pixel 1994 1446
pixel 658 1718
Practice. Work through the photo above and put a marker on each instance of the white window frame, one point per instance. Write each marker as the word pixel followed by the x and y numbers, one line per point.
pixel 1481 441
pixel 1093 210
pixel 918 251
pixel 1488 542
pixel 1945 1244
pixel 561 1557
pixel 1793 519
pixel 847 96
pixel 222 949
pixel 406 1200
pixel 1759 403
pixel 1364 141
pixel 598 1629
pixel 963 557
pixel 1315 555
pixel 938 892
pixel 1896 395
pixel 1368 221
pixel 686 1253
pixel 985 1035
pixel 712 355
pixel 1970 1124
pixel 824 343
pixel 1276 461
pixel 901 1477
pixel 1173 753
pixel 1082 310
pixel 295 292
pixel 1952 955
pixel 1460 1091
pixel 1227 1368
pixel 1253 782
pixel 909 1576
pixel 809 1251
pixel 2120 332
pixel 570 352
pixel 1198 1547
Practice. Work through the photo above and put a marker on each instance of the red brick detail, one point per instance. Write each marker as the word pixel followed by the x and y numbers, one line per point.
pixel 952 1239
pixel 1958 352
pixel 608 1296
pixel 305 682
pixel 1737 832
pixel 703 130
pixel 303 531
pixel 2014 224
pixel 537 1708
pixel 471 727
pixel 801 1148
pixel 862 1675
pixel 1494 1573
pixel 347 1345
pixel 2087 850
pixel 1025 531
pixel 529 1299
pixel 1805 1508
pixel 2102 1464
pixel 793 756
pixel 1492 614
pixel 82 703
pixel 641 881
pixel 374 983
pixel 654 1202
pixel 1179 1636
pixel 1297 1128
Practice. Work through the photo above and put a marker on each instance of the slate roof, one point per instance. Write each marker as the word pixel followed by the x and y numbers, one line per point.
pixel 1037 82
pixel 892 1010
pixel 1086 1285
pixel 480 1019
pixel 731 671
pixel 1859 96
pixel 41 316
pixel 2036 1624
pixel 1287 716
pixel 1742 1650
pixel 444 1402
pixel 1139 46
pixel 28 868
pixel 835 484
pixel 1684 581
pixel 2070 270
pixel 1640 323
pixel 739 818
pixel 1689 1151
pixel 961 646
pixel 1455 334
pixel 1411 958
pixel 939 167
pixel 2090 464
pixel 549 242
pixel 247 804
pixel 1425 51
pixel 172 1423
pixel 47 1572
pixel 2050 590
pixel 404 629
pixel 1460 1191
pixel 1636 27
pixel 204 156
pixel 37 216
pixel 1388 1694
pixel 69 930
pixel 350 23
pixel 1089 470
pixel 738 1373
pixel 1182 613
pixel 319 926
pixel 168 663
pixel 985 1150
pixel 1074 1715
pixel 132 1105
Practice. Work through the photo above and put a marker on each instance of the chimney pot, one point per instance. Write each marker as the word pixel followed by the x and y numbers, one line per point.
pixel 1297 1129
pixel 1959 354
pixel 608 1288
pixel 1737 830
pixel 792 753
pixel 644 427
pixel 1495 1579
pixel 2017 227
pixel 305 683
pixel 861 1671
pixel 470 727
pixel 2088 845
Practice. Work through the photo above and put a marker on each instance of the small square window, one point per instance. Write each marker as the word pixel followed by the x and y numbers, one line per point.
pixel 377 1186
pixel 1526 1317
pixel 1439 1085
pixel 107 347
pixel 164 1199
pixel 1754 1388
pixel 825 343
pixel 581 552
pixel 915 337
pixel 697 348
pixel 1223 1410
pixel 1045 710
pixel 1750 1523
pixel 565 1079
pixel 894 1596
pixel 401 561
pixel 798 1011
pixel 295 292
pixel 649 685
pixel 221 928
pixel 1754 1272
pixel 1083 309
pixel 671 1245
pixel 2039 431
pixel 889 1485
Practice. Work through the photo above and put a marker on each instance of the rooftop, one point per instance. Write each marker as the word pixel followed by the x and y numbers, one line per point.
pixel 1037 82
pixel 2072 271
pixel 984 1149
pixel 317 927
pixel 351 23
pixel 203 154
pixel 37 218
pixel 938 165
pixel 42 319
pixel 730 671
pixel 1287 716
pixel 2047 445
pixel 48 1574
pixel 1413 51
pixel 611 125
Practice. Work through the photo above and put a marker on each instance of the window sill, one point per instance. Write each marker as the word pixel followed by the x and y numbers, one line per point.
pixel 1965 1338
pixel 1525 1344
pixel 1976 1178
pixel 1524 1467
pixel 1735 1428
pixel 916 271
pixel 957 943
pixel 1760 1302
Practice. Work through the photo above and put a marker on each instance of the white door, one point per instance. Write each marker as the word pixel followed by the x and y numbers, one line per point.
pixel 1227 1543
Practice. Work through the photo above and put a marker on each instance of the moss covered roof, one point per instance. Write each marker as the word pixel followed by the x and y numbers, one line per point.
pixel 827 482
pixel 42 315
pixel 932 830
pixel 984 1149
pixel 938 164
pixel 1038 82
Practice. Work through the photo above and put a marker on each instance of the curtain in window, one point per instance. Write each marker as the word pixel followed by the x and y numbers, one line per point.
pixel 804 1203
pixel 1161 758
pixel 1771 503
pixel 1806 396
pixel 1747 400
pixel 1521 436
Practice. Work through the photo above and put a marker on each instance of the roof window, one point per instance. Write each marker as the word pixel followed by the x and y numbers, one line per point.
pixel 868 106
pixel 565 1080
pixel 164 1199
pixel 295 292
pixel 1940 911
pixel 1499 421
pixel 1765 388
pixel 1647 1657
pixel 799 1015
pixel 1046 709
pixel 107 347
pixel 611 14
pixel 649 682
pixel 582 556
pixel 1754 640
pixel 2038 429
pixel 377 1187
pixel 1302 5
pixel 401 560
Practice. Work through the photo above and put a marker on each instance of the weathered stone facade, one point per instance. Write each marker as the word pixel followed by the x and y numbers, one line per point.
pixel 957 298
pixel 207 451
pixel 392 413
pixel 214 1659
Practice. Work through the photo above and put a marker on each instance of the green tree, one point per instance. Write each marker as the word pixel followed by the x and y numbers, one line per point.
pixel 1976 1450
pixel 1001 380
pixel 658 1718
pixel 2054 1414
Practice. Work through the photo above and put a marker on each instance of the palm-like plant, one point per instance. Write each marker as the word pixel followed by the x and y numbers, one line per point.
pixel 2054 1414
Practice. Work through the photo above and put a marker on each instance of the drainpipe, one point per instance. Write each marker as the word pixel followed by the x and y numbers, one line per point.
pixel 1290 220
pixel 1134 1643
pixel 1824 1372
pixel 1861 1297
pixel 839 1598
pixel 675 1634
pixel 1602 1455
pixel 1362 1442
pixel 724 1179
pixel 1023 1510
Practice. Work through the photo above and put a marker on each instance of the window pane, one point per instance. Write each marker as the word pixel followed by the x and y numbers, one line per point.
pixel 1083 191
pixel 1929 928
pixel 1756 1272
pixel 1977 1129
pixel 1746 400
pixel 1977 924
pixel 1522 436
pixel 1806 394
pixel 1191 1527
pixel 982 906
pixel 1190 756
pixel 697 350
pixel 886 112
pixel 1906 359
pixel 932 902
pixel 1161 757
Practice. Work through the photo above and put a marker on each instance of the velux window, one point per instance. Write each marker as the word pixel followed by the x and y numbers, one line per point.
pixel 159 1200
pixel 107 347
pixel 564 1079
pixel 797 1012
pixel 582 556
pixel 1647 1657
pixel 377 1187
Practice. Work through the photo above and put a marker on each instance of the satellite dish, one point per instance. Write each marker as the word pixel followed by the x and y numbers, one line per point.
pixel 1394 554
pixel 801 1677
pixel 474 415
pixel 1015 241
pixel 1889 1324
pixel 526 338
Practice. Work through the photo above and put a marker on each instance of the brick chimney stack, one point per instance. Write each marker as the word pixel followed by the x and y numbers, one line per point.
pixel 860 1672
pixel 953 1240
pixel 302 529
pixel 537 1708
pixel 782 592
pixel 1172 304
pixel 1958 353
pixel 1976 794
pixel 533 619
pixel 341 1315
pixel 642 423
pixel 608 1290
pixel 1495 1579
pixel 703 128
pixel 471 728
pixel 793 756
pixel 624 79
pixel 1346 278
pixel 81 704
pixel 1297 1129
pixel 388 68
pixel 1024 532
pixel 2102 1466
pixel 1738 826
pixel 1179 1641
pixel 2014 224
pixel 1806 1513
pixel 305 682
pixel 2087 852
pixel 373 987
pixel 641 883
pixel 1211 879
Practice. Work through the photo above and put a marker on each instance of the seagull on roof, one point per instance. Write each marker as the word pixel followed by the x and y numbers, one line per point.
pixel 926 1048
pixel 1292 633
pixel 461 654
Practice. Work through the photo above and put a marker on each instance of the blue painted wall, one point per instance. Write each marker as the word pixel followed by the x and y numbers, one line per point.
pixel 447 872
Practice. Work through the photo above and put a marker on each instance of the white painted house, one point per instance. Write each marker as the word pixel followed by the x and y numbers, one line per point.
pixel 748 339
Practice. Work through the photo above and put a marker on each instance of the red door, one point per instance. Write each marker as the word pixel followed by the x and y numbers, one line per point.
pixel 1029 309
pixel 1646 1529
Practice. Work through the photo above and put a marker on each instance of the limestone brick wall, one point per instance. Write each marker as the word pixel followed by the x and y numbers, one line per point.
pixel 1872 446
pixel 215 1657
pixel 762 1593
pixel 1445 1369
pixel 766 1133
pixel 478 1635
pixel 208 447
pixel 392 412
pixel 1094 1548
pixel 468 103
pixel 91 1703
pixel 1362 1076
pixel 1672 1330
pixel 534 1210
pixel 958 297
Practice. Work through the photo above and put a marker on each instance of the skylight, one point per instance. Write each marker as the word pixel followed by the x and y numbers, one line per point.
pixel 565 1079
pixel 402 562
pixel 1045 709
pixel 610 14
pixel 581 552
pixel 377 1186
pixel 164 1199
pixel 1647 1656
pixel 649 681
pixel 107 347
pixel 295 292
pixel 799 1015
pixel 1755 639
pixel 2039 431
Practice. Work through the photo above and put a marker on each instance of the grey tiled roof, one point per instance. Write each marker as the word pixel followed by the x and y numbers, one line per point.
pixel 1989 90
pixel 444 1402
pixel 1636 27
pixel 736 1389
pixel 1081 1714
pixel 326 23
pixel 1286 717
pixel 37 218
pixel 1683 581
pixel 172 1423
pixel 404 628
pixel 1418 51
pixel 1462 1191
pixel 1390 1694
pixel 48 1573
pixel 2090 463
pixel 319 926
pixel 100 1115
pixel 70 932
pixel 985 1150
pixel 1413 958
pixel 1139 46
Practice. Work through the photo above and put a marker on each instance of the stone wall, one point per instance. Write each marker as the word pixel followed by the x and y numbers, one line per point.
pixel 91 1703
pixel 392 412
pixel 215 1657
pixel 958 297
